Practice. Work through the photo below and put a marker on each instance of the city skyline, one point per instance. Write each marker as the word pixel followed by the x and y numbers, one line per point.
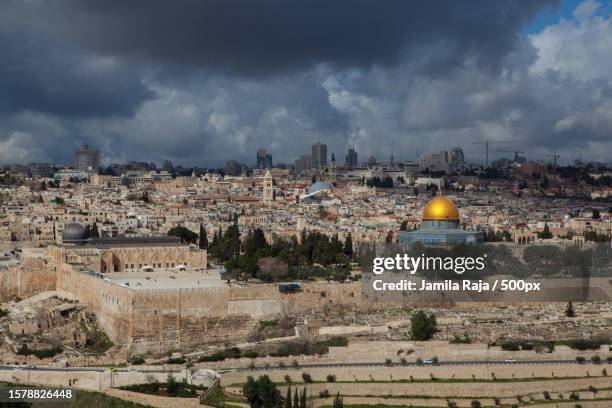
pixel 535 73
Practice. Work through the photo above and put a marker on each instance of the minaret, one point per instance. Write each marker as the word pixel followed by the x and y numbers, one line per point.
pixel 268 188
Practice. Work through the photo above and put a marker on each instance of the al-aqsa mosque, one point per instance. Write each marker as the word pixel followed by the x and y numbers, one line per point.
pixel 441 226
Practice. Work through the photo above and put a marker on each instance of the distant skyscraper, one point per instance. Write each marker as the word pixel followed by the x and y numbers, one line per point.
pixel 319 155
pixel 264 159
pixel 168 166
pixel 269 160
pixel 351 157
pixel 85 158
pixel 302 164
pixel 40 170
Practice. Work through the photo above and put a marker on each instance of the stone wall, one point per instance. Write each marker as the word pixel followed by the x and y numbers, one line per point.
pixel 23 283
pixel 158 321
pixel 111 303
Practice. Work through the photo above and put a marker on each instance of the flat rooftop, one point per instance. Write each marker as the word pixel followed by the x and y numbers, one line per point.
pixel 167 280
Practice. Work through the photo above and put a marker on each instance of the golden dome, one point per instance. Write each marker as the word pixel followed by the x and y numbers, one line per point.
pixel 440 209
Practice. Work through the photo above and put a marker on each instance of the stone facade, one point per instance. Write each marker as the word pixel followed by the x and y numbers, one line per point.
pixel 157 321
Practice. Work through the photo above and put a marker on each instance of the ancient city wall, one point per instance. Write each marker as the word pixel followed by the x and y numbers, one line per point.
pixel 112 303
pixel 166 320
pixel 18 282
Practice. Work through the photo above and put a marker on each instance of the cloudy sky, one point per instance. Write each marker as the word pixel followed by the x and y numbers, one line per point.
pixel 201 82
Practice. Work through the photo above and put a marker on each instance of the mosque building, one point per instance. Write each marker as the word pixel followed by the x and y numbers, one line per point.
pixel 441 226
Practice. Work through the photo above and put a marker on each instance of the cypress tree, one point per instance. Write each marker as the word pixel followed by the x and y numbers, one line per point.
pixel 288 398
pixel 203 237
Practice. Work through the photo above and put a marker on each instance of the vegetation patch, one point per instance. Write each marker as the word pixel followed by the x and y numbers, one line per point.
pixel 170 388
pixel 40 353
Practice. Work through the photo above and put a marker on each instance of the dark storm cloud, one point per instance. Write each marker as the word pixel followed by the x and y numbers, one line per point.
pixel 40 75
pixel 200 82
pixel 264 36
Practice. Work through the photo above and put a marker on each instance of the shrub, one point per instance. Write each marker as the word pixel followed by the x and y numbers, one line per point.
pixel 40 353
pixel 306 377
pixel 175 360
pixel 510 345
pixel 580 360
pixel 388 361
pixel 422 325
pixel 596 359
pixel 250 354
pixel 583 344
pixel 233 352
pixel 475 404
pixel 288 379
pixel 323 394
pixel 137 360
pixel 546 395
pixel 331 378
pixel 403 361
pixel 218 356
pixel 574 396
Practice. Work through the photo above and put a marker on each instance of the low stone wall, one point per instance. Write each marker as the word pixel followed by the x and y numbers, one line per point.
pixel 482 372
pixel 154 400
pixel 86 379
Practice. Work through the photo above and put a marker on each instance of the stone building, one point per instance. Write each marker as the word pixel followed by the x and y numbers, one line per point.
pixel 125 254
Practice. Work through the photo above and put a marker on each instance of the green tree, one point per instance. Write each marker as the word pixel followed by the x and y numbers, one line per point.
pixel 338 401
pixel 185 234
pixel 296 399
pixel 569 310
pixel 288 398
pixel 545 234
pixel 261 393
pixel 348 245
pixel 203 238
pixel 94 233
pixel 404 225
pixel 422 325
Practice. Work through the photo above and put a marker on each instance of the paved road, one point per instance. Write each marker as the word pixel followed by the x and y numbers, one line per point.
pixel 81 369
pixel 306 365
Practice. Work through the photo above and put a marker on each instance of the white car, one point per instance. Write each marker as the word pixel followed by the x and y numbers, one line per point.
pixel 427 361
pixel 509 361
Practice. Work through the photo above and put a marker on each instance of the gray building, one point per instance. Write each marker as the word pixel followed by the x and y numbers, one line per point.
pixel 302 164
pixel 351 157
pixel 264 159
pixel 86 158
pixel 319 155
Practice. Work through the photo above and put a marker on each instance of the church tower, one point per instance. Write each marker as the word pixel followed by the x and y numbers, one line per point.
pixel 268 188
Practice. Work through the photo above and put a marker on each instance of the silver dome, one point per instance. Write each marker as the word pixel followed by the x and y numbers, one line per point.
pixel 74 232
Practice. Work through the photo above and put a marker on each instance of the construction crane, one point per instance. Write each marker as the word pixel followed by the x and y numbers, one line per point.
pixel 555 156
pixel 516 153
pixel 488 142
